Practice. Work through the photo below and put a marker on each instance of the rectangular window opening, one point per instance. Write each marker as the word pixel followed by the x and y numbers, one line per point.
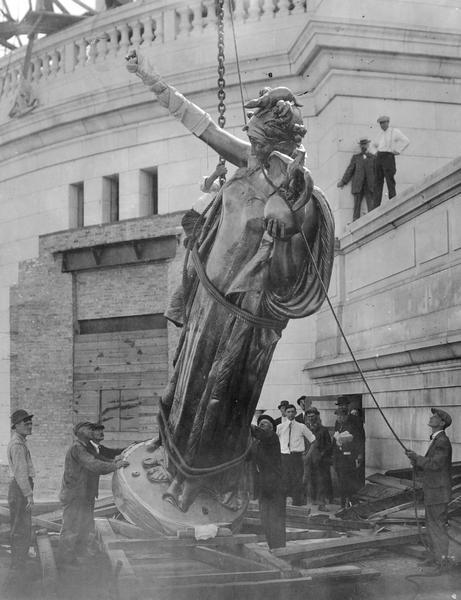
pixel 148 191
pixel 76 205
pixel 111 191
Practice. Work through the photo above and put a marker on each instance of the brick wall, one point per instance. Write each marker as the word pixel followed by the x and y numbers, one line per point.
pixel 43 310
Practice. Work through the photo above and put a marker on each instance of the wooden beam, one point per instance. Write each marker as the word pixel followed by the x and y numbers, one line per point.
pixel 224 561
pixel 393 482
pixel 48 565
pixel 301 549
pixel 338 558
pixel 36 521
pixel 269 559
pixel 122 570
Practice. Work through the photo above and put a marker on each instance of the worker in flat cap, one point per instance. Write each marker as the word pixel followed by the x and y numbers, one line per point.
pixel 20 494
pixel 282 408
pixel 268 480
pixel 435 467
pixel 390 143
pixel 102 452
pixel 78 493
pixel 361 171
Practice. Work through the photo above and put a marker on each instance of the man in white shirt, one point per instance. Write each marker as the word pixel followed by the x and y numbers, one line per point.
pixel 390 143
pixel 293 437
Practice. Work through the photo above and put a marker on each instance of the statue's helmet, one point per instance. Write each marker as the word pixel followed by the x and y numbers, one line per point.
pixel 276 118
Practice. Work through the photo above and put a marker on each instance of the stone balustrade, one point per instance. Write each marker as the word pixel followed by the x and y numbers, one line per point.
pixel 112 33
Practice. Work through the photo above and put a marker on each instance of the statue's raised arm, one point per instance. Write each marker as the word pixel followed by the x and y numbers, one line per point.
pixel 263 255
pixel 191 116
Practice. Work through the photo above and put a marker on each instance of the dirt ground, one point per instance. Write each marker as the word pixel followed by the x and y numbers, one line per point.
pixel 93 582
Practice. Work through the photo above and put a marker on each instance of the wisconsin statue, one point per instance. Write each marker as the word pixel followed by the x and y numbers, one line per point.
pixel 261 254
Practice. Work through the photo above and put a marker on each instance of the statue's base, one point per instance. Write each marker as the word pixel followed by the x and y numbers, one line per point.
pixel 141 501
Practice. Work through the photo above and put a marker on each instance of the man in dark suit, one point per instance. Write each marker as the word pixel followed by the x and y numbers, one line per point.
pixel 269 489
pixel 361 170
pixel 435 466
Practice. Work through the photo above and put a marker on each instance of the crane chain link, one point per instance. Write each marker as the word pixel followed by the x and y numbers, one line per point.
pixel 221 72
pixel 221 68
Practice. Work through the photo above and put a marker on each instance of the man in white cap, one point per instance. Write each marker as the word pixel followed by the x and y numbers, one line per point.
pixel 390 143
pixel 361 170
pixel 435 466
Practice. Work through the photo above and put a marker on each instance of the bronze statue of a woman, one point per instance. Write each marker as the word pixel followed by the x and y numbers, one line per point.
pixel 250 273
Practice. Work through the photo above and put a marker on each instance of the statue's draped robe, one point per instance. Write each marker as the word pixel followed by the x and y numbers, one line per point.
pixel 222 360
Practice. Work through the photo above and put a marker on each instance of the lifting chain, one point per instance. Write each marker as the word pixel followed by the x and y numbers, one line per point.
pixel 221 71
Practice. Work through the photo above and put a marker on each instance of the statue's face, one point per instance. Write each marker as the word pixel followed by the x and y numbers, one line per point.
pixel 261 150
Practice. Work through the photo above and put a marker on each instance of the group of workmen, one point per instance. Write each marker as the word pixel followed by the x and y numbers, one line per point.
pixel 302 452
pixel 293 455
pixel 367 170
pixel 85 461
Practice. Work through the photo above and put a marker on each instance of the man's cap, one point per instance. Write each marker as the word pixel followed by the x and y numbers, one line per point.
pixel 442 415
pixel 97 426
pixel 383 118
pixel 342 401
pixel 298 401
pixel 312 411
pixel 267 418
pixel 82 424
pixel 20 415
pixel 283 403
pixel 364 141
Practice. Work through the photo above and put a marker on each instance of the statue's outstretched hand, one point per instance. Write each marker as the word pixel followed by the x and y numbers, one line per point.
pixel 138 65
pixel 132 61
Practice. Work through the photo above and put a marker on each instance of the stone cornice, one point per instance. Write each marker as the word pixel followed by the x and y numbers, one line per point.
pixel 327 369
pixel 327 48
pixel 436 188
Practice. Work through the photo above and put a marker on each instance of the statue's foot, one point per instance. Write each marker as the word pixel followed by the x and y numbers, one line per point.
pixel 190 491
pixel 171 500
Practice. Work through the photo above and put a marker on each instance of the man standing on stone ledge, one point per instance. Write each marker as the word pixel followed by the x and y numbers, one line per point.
pixel 361 170
pixel 436 473
pixel 390 143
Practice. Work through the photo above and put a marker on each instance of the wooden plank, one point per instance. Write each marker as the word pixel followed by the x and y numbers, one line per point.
pixel 258 590
pixel 194 579
pixel 390 511
pixel 36 521
pixel 301 549
pixel 269 559
pixel 223 560
pixel 393 482
pixel 170 543
pixel 337 558
pixel 122 570
pixel 48 564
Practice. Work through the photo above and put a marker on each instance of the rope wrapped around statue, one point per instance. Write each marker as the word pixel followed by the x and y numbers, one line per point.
pixel 249 273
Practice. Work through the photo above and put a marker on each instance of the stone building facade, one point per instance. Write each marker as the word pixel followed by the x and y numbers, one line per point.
pixel 102 164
